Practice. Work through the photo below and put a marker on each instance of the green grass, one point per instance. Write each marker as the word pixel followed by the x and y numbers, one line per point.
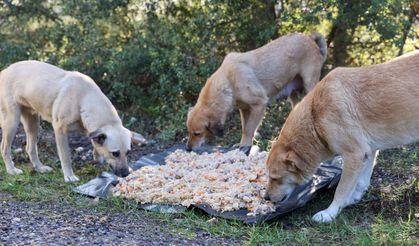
pixel 381 218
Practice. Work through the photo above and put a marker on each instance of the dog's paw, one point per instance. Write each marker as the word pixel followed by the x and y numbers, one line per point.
pixel 323 216
pixel 71 178
pixel 43 169
pixel 245 149
pixel 235 146
pixel 14 171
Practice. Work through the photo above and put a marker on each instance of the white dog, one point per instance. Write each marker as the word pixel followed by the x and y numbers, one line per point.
pixel 71 101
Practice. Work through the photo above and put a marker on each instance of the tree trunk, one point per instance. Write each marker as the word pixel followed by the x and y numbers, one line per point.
pixel 264 17
pixel 412 18
pixel 341 41
pixel 344 24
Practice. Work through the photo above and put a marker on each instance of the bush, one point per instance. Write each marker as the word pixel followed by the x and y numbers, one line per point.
pixel 152 57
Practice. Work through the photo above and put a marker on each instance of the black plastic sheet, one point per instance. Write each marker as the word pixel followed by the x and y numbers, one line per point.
pixel 326 177
pixel 99 186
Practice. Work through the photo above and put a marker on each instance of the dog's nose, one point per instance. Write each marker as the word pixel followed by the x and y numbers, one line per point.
pixel 189 149
pixel 122 172
pixel 267 197
pixel 125 173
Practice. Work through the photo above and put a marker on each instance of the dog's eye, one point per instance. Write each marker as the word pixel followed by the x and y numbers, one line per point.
pixel 276 180
pixel 116 153
pixel 196 133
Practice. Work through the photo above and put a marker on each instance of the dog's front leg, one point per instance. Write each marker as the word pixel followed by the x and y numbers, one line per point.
pixel 246 140
pixel 354 165
pixel 251 119
pixel 61 138
pixel 365 176
pixel 293 98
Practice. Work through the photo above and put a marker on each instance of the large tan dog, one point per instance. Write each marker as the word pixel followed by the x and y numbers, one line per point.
pixel 353 112
pixel 72 102
pixel 282 68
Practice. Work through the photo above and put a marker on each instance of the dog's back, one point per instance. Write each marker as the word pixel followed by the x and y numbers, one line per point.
pixel 39 78
pixel 31 84
pixel 36 86
pixel 279 61
pixel 382 100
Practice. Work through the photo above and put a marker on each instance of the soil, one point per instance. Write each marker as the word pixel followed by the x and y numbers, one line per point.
pixel 39 223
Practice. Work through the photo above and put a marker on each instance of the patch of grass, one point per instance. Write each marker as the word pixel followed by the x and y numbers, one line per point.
pixel 383 232
pixel 215 226
pixel 400 159
pixel 34 186
pixel 381 218
pixel 190 234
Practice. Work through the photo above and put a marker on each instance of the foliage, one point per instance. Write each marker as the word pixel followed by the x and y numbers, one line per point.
pixel 153 57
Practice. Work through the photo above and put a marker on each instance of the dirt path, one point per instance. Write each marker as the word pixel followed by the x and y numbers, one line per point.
pixel 30 223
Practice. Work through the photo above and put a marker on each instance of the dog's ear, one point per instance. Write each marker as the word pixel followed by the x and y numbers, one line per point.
pixel 216 129
pixel 98 136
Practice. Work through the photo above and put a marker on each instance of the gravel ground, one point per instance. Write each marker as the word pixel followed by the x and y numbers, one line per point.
pixel 27 223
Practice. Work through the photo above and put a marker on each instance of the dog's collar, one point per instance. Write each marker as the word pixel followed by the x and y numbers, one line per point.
pixel 322 140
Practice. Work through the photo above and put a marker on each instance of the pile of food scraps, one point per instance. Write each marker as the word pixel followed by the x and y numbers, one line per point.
pixel 225 181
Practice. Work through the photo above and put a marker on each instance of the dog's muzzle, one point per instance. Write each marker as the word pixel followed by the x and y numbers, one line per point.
pixel 121 172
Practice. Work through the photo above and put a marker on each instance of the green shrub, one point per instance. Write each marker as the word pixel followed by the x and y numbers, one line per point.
pixel 152 57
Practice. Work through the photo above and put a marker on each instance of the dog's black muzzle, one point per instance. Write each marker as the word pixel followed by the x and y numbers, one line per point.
pixel 189 149
pixel 121 172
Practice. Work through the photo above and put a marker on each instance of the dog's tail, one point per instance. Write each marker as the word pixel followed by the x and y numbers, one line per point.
pixel 321 42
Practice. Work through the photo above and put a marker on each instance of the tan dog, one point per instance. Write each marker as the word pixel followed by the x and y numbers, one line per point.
pixel 353 112
pixel 282 68
pixel 72 102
